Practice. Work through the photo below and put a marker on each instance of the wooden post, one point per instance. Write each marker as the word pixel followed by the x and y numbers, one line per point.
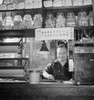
pixel 93 9
pixel 31 52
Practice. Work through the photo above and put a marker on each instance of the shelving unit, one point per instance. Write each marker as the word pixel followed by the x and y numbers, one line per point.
pixel 23 33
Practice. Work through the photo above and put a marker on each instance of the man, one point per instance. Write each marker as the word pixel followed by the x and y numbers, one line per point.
pixel 58 69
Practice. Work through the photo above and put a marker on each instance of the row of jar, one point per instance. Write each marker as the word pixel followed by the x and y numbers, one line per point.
pixel 17 22
pixel 82 19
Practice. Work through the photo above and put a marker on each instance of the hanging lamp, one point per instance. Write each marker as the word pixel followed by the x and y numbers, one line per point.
pixel 44 48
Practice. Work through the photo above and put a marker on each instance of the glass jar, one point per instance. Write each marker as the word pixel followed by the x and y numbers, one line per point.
pixel 90 18
pixel 70 20
pixel 38 19
pixel 60 20
pixel 17 20
pixel 82 19
pixel 50 21
pixel 28 21
pixel 8 22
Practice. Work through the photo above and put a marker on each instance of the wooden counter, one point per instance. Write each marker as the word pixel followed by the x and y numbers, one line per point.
pixel 45 91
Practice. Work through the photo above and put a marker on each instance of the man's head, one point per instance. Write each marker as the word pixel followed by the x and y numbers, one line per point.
pixel 62 52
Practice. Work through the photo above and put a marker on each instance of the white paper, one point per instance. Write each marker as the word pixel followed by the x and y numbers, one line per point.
pixel 71 65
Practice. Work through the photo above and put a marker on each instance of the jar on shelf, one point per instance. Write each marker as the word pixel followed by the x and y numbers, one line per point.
pixel 50 21
pixel 28 21
pixel 60 20
pixel 37 21
pixel 70 20
pixel 82 19
pixel 8 22
pixel 17 20
pixel 90 18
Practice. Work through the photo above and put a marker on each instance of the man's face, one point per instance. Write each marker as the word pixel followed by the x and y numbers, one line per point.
pixel 62 54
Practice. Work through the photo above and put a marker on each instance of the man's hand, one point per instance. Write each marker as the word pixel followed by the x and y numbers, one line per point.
pixel 48 76
pixel 51 77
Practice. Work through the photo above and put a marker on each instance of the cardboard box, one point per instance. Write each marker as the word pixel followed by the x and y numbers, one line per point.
pixel 77 2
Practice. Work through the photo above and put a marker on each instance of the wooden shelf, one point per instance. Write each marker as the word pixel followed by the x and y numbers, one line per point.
pixel 70 8
pixel 18 33
pixel 83 27
pixel 9 43
pixel 11 67
pixel 22 10
pixel 14 58
pixel 82 44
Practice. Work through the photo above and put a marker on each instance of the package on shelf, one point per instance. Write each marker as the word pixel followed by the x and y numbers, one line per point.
pixel 90 18
pixel 60 20
pixel 8 55
pixel 18 1
pixel 37 19
pixel 8 22
pixel 11 6
pixel 27 21
pixel 67 2
pixel 20 5
pixel 87 2
pixel 82 19
pixel 8 1
pixel 29 4
pixel 37 4
pixel 71 20
pixel 6 40
pixel 50 21
pixel 3 7
pixel 17 20
pixel 77 2
pixel 47 3
pixel 57 3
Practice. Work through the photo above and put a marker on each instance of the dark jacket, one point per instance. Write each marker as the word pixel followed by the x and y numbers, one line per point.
pixel 58 71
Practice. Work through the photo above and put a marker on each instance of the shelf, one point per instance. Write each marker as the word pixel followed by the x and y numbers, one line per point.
pixel 69 7
pixel 22 10
pixel 18 33
pixel 77 42
pixel 14 58
pixel 84 44
pixel 11 67
pixel 83 27
pixel 83 7
pixel 9 43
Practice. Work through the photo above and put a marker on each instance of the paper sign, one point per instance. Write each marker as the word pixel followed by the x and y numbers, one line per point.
pixel 66 33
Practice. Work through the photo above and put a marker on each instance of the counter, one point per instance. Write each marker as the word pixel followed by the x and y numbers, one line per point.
pixel 45 91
